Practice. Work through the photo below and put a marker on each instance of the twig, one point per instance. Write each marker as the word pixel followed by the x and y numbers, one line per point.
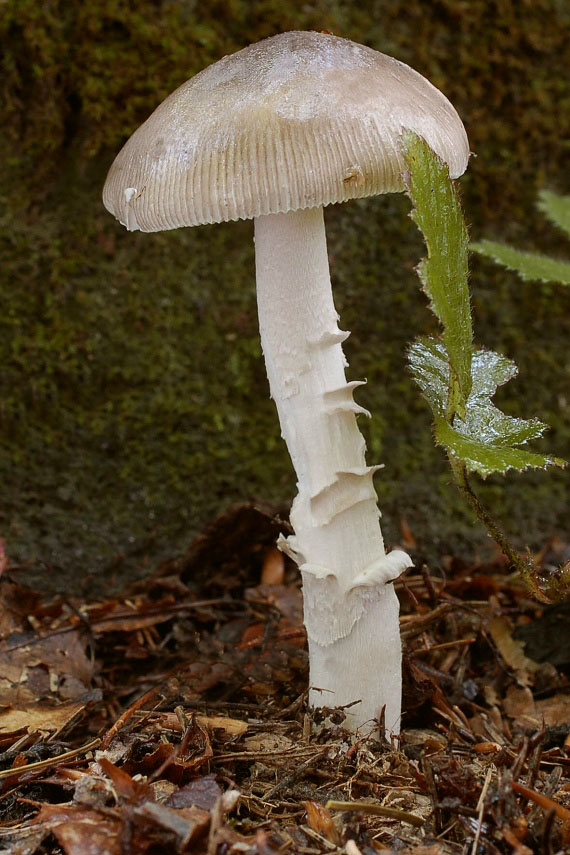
pixel 216 820
pixel 264 755
pixel 520 759
pixel 294 776
pixel 293 707
pixel 547 829
pixel 536 745
pixel 458 642
pixel 432 792
pixel 542 800
pixel 377 810
pixel 481 810
pixel 16 771
pixel 415 625
pixel 432 593
pixel 128 713
pixel 87 623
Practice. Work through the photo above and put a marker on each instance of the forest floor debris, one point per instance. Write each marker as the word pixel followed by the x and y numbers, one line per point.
pixel 174 719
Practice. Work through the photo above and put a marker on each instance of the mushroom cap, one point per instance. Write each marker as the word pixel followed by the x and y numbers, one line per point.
pixel 299 120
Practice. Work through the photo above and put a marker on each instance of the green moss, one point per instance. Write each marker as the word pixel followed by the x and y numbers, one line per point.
pixel 133 399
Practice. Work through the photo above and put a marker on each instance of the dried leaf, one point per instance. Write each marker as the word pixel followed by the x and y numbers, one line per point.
pixel 56 665
pixel 125 787
pixel 273 570
pixel 187 824
pixel 16 605
pixel 82 832
pixel 511 650
pixel 555 711
pixel 167 761
pixel 267 742
pixel 45 718
pixel 230 726
pixel 320 820
pixel 519 702
pixel 202 793
pixel 286 599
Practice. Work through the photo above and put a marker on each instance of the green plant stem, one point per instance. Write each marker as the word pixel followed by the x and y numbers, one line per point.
pixel 460 472
pixel 544 588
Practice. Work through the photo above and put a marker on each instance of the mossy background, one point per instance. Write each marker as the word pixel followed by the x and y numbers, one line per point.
pixel 133 399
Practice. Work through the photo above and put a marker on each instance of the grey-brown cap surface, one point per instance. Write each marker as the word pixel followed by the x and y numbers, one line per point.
pixel 299 120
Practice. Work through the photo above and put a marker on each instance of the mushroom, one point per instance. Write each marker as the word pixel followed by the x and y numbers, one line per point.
pixel 274 133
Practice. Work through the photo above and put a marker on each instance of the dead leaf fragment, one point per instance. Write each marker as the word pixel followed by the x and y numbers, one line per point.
pixel 16 604
pixel 511 650
pixel 81 832
pixel 321 821
pixel 264 742
pixel 519 702
pixel 231 726
pixel 273 570
pixel 554 711
pixel 40 717
pixel 203 793
pixel 125 787
pixel 187 824
pixel 56 665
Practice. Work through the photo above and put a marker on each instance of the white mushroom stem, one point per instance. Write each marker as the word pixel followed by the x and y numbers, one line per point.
pixel 351 612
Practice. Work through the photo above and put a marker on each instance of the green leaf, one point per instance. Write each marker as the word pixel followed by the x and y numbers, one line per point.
pixel 529 265
pixel 482 421
pixel 485 459
pixel 556 208
pixel 443 274
pixel 430 369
